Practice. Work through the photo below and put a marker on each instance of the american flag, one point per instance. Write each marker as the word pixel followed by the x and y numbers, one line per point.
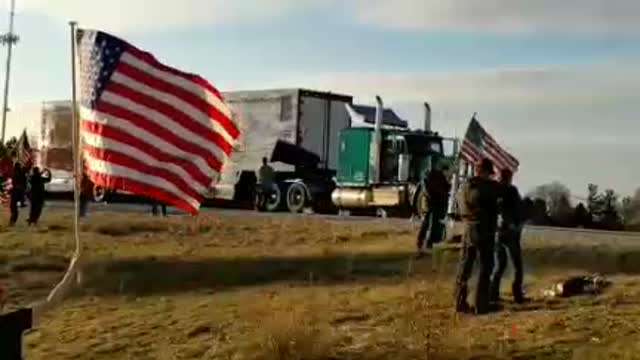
pixel 478 144
pixel 147 128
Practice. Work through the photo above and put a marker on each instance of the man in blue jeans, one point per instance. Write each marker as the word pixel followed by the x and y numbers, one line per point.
pixel 509 233
pixel 438 188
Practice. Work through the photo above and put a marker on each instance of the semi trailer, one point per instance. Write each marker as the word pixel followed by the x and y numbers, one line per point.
pixel 54 148
pixel 297 130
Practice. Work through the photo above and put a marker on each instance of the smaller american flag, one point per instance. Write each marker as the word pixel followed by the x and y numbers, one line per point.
pixel 24 153
pixel 478 144
pixel 147 128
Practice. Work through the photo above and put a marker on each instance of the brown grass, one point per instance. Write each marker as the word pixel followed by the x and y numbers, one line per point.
pixel 285 289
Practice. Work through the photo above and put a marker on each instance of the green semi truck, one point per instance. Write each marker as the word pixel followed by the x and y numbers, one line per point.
pixel 381 169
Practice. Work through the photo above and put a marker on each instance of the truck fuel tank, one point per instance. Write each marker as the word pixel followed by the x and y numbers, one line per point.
pixel 384 196
pixel 404 163
pixel 351 198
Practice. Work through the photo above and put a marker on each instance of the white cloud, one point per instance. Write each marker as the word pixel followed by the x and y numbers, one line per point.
pixel 145 15
pixel 503 15
pixel 592 16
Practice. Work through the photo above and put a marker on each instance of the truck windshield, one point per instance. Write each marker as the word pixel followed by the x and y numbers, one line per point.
pixel 419 145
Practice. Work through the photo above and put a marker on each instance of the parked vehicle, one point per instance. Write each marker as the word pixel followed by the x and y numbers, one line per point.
pixel 382 168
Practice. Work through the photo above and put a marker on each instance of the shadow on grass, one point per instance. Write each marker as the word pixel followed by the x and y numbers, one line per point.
pixel 597 259
pixel 603 259
pixel 168 275
pixel 146 276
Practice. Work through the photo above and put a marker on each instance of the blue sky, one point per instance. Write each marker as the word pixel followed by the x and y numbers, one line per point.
pixel 557 84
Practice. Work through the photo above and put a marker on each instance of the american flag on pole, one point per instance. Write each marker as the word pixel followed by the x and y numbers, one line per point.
pixel 478 144
pixel 147 128
pixel 24 153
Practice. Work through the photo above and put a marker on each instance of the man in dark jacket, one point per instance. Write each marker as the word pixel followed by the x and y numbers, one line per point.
pixel 438 187
pixel 19 186
pixel 509 233
pixel 479 210
pixel 37 182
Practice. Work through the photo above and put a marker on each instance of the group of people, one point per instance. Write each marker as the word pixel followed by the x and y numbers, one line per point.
pixel 26 182
pixel 493 218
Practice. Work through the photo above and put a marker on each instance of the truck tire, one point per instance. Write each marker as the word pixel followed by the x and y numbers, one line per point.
pixel 297 197
pixel 99 194
pixel 273 201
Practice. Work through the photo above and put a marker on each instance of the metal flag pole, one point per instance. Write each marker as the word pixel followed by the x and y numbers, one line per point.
pixel 8 39
pixel 77 154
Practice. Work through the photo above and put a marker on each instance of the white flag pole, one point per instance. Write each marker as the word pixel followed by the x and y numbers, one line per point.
pixel 57 295
pixel 77 164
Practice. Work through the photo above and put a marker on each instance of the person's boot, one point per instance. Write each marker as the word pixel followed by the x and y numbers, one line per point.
pixel 519 298
pixel 482 309
pixel 495 295
pixel 464 308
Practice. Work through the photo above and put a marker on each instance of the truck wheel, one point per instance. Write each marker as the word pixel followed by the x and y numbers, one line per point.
pixel 272 202
pixel 99 194
pixel 296 197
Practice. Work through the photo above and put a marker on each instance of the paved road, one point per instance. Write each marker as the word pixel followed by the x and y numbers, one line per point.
pixel 144 208
pixel 529 232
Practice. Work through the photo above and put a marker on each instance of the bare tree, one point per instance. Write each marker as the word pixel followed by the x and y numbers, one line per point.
pixel 557 198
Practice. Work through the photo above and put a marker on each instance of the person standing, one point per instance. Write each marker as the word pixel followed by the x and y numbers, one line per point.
pixel 266 182
pixel 509 234
pixel 266 175
pixel 37 181
pixel 479 210
pixel 18 187
pixel 437 187
pixel 86 192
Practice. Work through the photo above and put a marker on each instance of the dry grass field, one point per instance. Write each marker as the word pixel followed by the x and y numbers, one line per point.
pixel 304 289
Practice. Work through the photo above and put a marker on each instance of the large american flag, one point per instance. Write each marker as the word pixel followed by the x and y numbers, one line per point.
pixel 147 128
pixel 478 144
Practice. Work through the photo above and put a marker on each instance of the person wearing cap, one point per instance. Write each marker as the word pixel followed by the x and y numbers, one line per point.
pixel 13 324
pixel 479 210
pixel 509 233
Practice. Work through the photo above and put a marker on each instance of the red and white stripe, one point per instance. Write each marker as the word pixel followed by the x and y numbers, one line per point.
pixel 157 132
pixel 500 157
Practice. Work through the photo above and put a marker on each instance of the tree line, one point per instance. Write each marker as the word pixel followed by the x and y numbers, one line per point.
pixel 550 205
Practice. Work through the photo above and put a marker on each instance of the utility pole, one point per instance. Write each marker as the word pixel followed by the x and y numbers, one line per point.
pixel 8 39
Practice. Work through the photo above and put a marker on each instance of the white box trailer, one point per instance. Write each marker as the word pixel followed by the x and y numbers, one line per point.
pixel 297 130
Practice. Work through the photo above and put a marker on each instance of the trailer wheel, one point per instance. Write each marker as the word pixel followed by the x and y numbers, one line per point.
pixel 296 197
pixel 274 199
pixel 99 194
